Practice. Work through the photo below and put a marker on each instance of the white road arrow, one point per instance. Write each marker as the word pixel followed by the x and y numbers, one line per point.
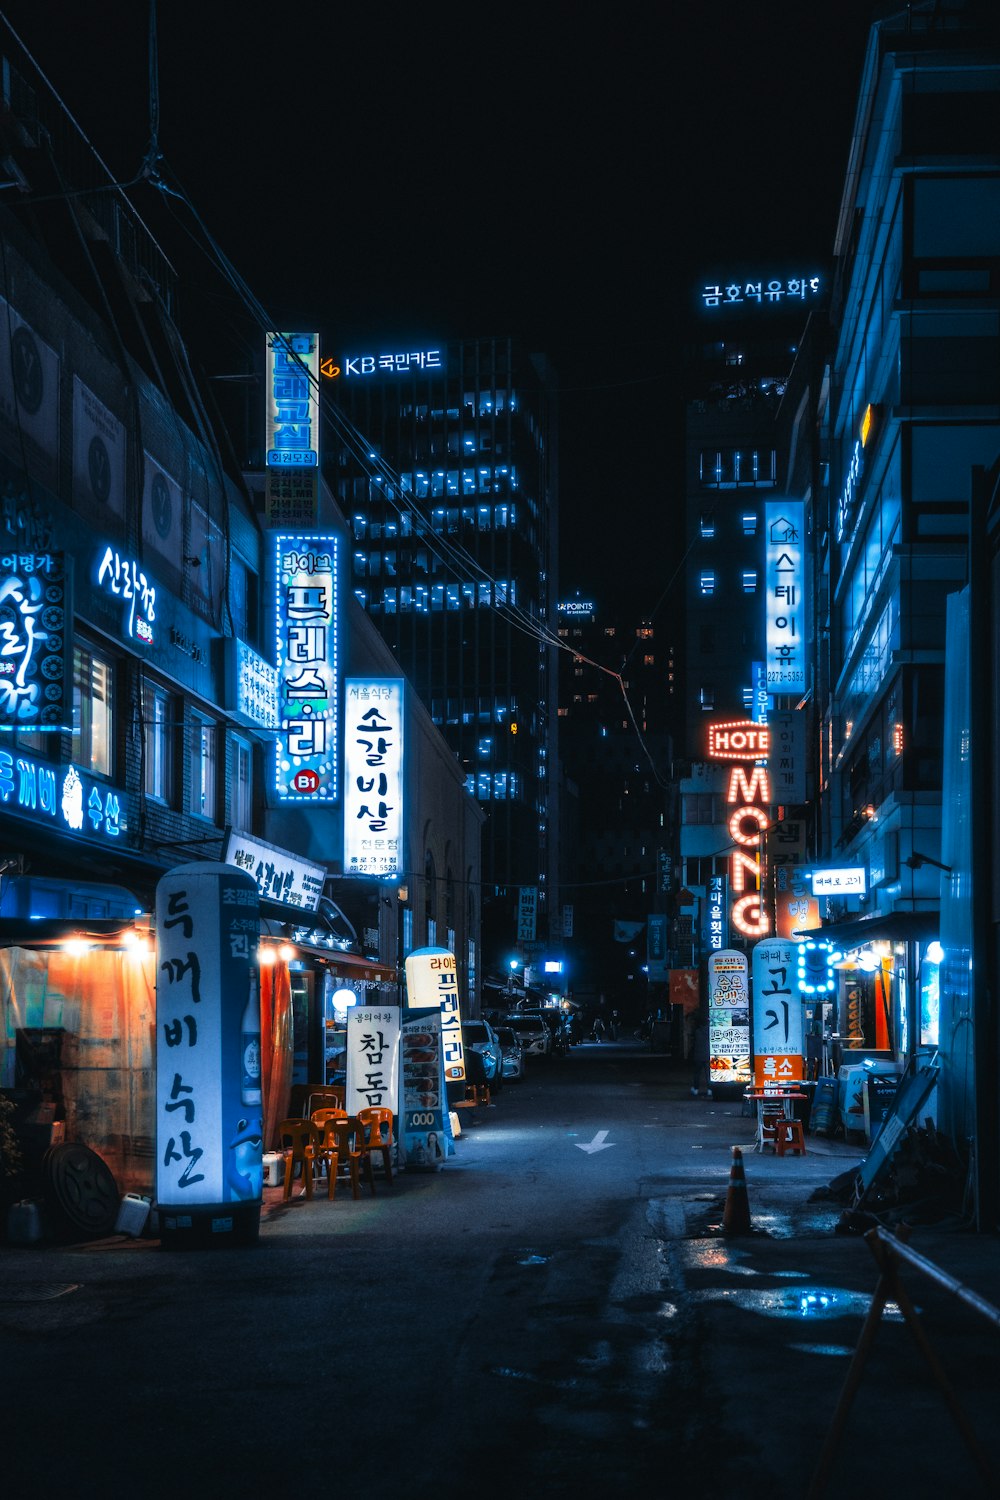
pixel 599 1143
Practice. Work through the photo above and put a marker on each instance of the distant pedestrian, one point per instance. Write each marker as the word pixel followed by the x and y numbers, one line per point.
pixel 616 1025
pixel 598 1029
pixel 700 1055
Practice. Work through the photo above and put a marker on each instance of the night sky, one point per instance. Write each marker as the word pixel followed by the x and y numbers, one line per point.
pixel 561 173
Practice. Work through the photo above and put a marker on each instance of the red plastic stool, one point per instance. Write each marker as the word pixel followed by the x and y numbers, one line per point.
pixel 788 1135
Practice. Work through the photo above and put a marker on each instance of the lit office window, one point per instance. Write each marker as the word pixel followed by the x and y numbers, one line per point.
pixel 156 739
pixel 204 766
pixel 242 784
pixel 706 583
pixel 708 526
pixel 93 710
pixel 749 520
pixel 749 580
pixel 706 699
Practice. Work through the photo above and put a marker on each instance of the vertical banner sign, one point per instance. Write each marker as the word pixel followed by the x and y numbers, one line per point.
pixel 787 756
pixel 777 1015
pixel 432 980
pixel 784 576
pixel 292 415
pixel 209 1108
pixel 308 662
pixel 425 1137
pixel 373 775
pixel 656 949
pixel 35 649
pixel 527 906
pixel 372 1057
pixel 728 1017
pixel 716 921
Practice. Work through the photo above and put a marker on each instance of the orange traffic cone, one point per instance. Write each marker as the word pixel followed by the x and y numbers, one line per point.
pixel 736 1214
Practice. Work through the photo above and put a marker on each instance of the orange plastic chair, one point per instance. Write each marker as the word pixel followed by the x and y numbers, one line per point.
pixel 299 1140
pixel 375 1134
pixel 335 1145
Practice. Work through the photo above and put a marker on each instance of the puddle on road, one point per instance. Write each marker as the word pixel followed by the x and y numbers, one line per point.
pixel 810 1304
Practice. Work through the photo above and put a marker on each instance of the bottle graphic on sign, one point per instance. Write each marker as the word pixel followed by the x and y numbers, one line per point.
pixel 250 1091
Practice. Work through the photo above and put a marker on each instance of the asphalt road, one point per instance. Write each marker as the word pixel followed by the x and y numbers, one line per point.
pixel 555 1313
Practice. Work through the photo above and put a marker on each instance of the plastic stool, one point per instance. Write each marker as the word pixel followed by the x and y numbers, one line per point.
pixel 788 1135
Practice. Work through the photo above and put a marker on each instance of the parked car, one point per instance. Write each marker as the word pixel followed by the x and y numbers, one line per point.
pixel 533 1030
pixel 479 1036
pixel 513 1052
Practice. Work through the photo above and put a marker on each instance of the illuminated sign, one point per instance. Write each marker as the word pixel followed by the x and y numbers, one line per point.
pixel 717 928
pixel 749 800
pixel 34 613
pixel 251 686
pixel 372 1070
pixel 527 908
pixel 581 608
pixel 390 364
pixel 728 1017
pixel 784 579
pixel 855 469
pixel 773 290
pixel 308 666
pixel 292 416
pixel 740 740
pixel 124 578
pixel 279 875
pixel 373 775
pixel 777 1014
pixel 787 761
pixel 845 882
pixel 814 961
pixel 209 1115
pixel 69 798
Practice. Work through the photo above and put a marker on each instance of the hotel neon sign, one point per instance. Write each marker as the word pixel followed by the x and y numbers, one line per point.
pixel 749 797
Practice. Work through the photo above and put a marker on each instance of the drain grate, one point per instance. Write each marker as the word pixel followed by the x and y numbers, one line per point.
pixel 39 1291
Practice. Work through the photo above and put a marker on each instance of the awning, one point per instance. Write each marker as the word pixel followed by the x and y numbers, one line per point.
pixel 890 927
pixel 345 965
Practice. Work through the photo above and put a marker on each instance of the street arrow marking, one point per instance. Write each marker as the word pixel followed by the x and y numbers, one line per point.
pixel 599 1143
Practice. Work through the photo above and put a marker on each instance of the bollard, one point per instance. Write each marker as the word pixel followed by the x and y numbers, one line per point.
pixel 736 1215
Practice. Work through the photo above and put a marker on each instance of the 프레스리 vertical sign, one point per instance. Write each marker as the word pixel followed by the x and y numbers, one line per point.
pixel 307 647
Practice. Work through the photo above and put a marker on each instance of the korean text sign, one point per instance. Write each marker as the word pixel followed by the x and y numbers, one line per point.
pixel 209 1115
pixel 728 1017
pixel 372 1057
pixel 307 568
pixel 785 593
pixel 292 379
pixel 432 980
pixel 34 613
pixel 373 775
pixel 777 1014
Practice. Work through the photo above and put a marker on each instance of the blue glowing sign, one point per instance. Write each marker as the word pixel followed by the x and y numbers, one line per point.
pixel 307 654
pixel 292 382
pixel 33 618
pixel 124 578
pixel 785 602
pixel 393 364
pixel 772 291
pixel 816 973
pixel 61 795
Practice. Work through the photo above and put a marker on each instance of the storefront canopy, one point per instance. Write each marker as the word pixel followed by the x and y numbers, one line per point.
pixel 890 927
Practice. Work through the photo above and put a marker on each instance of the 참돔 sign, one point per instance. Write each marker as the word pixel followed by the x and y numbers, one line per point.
pixel 373 775
pixel 307 576
pixel 372 1057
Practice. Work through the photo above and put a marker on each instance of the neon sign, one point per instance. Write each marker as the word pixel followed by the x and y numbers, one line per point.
pixel 738 293
pixel 308 665
pixel 125 579
pixel 855 469
pixel 816 974
pixel 62 794
pixel 784 574
pixel 33 672
pixel 749 800
pixel 392 364
pixel 292 379
pixel 741 739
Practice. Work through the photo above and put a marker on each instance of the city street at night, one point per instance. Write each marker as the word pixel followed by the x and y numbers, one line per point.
pixel 555 1312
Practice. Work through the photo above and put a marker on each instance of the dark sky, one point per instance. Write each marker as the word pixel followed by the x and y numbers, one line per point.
pixel 558 172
